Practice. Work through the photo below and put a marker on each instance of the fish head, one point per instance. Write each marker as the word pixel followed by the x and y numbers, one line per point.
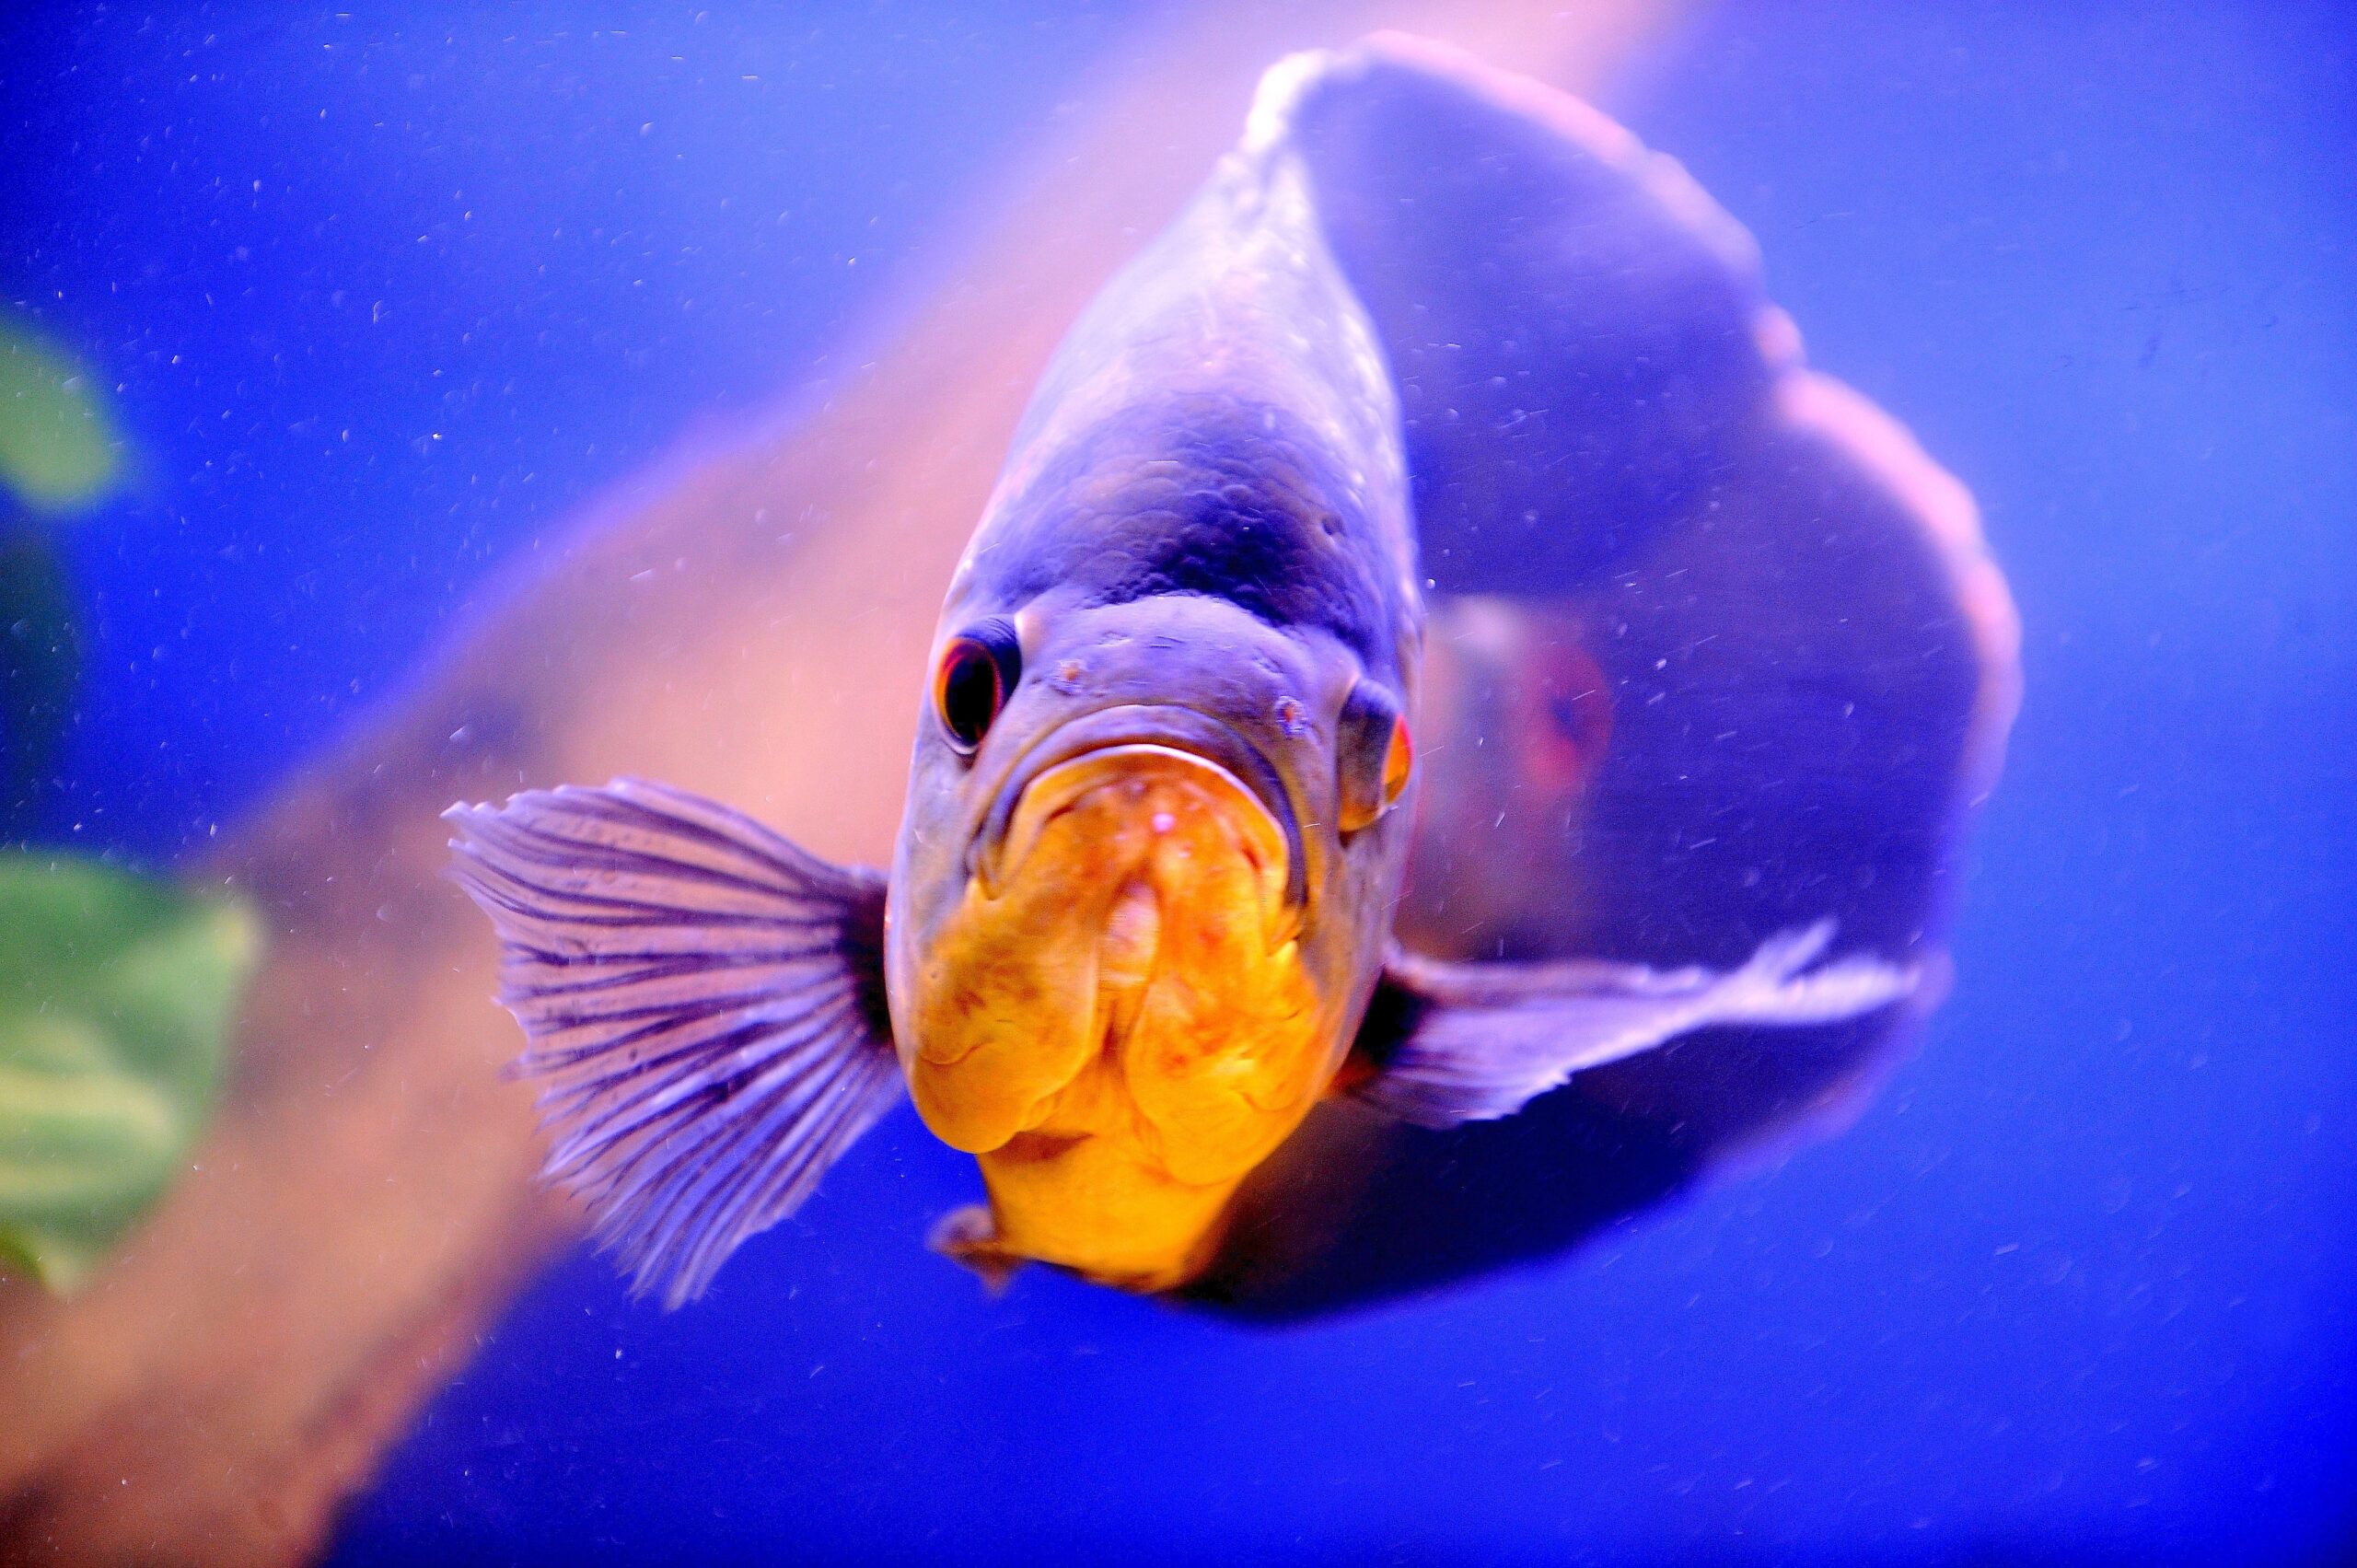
pixel 1141 896
pixel 1154 826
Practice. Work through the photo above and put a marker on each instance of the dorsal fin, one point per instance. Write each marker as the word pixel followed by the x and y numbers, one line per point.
pixel 1570 319
pixel 1794 661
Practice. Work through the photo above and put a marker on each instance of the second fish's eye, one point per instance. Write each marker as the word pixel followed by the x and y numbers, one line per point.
pixel 977 675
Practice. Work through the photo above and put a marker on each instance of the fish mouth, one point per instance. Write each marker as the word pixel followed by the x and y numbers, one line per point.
pixel 1187 804
pixel 1150 736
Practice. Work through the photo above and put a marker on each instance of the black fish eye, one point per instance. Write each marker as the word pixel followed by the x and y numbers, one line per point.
pixel 975 678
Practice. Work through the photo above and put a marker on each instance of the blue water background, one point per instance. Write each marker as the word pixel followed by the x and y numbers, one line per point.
pixel 383 304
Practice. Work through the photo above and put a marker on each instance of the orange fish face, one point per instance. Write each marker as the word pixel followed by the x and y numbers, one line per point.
pixel 1130 944
pixel 1143 888
pixel 1126 1026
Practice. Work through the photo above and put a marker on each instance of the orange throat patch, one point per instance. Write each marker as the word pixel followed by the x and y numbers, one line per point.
pixel 1124 1027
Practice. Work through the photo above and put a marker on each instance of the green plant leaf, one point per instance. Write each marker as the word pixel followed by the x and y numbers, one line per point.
pixel 57 446
pixel 115 993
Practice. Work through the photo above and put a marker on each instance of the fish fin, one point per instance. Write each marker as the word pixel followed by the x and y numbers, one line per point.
pixel 1454 1043
pixel 968 1237
pixel 702 1001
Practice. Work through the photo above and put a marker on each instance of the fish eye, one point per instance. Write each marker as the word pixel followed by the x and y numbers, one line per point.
pixel 1377 754
pixel 975 678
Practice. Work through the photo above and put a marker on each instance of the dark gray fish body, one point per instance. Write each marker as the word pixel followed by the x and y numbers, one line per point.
pixel 1716 663
pixel 1715 650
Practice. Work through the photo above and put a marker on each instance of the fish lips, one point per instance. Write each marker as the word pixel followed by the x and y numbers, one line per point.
pixel 1168 727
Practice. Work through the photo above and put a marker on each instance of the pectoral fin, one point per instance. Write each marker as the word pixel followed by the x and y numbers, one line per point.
pixel 703 1001
pixel 1452 1042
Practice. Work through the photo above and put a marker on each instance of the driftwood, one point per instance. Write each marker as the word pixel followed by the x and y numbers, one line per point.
pixel 750 621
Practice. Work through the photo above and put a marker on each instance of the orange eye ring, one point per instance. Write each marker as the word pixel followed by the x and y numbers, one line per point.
pixel 972 683
pixel 1399 764
pixel 1377 754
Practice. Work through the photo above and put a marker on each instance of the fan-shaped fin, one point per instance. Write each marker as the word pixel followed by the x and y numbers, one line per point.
pixel 703 1002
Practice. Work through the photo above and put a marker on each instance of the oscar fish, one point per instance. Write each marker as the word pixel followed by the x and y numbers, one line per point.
pixel 1146 909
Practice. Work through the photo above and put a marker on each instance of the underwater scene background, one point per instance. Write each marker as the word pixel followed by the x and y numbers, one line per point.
pixel 378 307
